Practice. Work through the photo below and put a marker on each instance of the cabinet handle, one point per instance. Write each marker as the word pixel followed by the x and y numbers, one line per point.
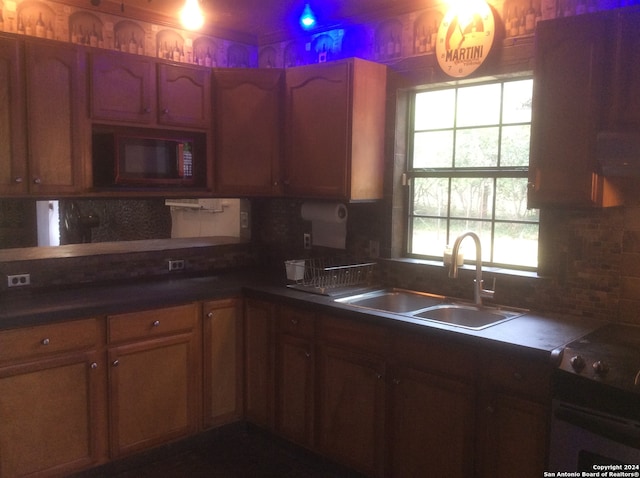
pixel 37 181
pixel 156 323
pixel 294 321
pixel 165 111
pixel 18 180
pixel 210 315
pixel 115 363
pixel 94 365
pixel 307 354
pixel 379 376
pixel 45 342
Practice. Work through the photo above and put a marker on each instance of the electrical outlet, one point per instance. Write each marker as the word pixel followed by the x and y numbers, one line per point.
pixel 306 240
pixel 18 280
pixel 374 249
pixel 176 265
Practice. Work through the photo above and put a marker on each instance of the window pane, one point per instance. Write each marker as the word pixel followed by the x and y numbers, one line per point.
pixel 472 197
pixel 477 148
pixel 433 150
pixel 511 200
pixel 517 102
pixel 430 196
pixel 515 145
pixel 435 109
pixel 429 236
pixel 478 105
pixel 467 246
pixel 516 244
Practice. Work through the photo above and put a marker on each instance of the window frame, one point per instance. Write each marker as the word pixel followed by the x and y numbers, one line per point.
pixel 453 172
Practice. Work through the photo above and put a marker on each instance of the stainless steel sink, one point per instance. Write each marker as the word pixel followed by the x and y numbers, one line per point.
pixel 468 316
pixel 393 300
pixel 431 307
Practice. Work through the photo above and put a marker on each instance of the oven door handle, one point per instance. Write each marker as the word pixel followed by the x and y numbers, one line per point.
pixel 616 428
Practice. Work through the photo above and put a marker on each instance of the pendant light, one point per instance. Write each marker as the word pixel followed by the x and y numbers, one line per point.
pixel 307 19
pixel 191 15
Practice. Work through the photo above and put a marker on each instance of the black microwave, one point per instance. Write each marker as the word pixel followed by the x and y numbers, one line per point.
pixel 142 158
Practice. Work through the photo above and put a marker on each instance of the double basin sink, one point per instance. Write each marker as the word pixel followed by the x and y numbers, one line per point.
pixel 430 307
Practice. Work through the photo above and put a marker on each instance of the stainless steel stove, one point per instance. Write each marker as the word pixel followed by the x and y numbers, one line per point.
pixel 609 355
pixel 596 405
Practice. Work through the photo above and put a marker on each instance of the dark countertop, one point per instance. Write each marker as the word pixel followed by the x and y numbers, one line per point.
pixel 533 332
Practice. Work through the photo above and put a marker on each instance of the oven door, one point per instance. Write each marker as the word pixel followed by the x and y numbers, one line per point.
pixel 582 437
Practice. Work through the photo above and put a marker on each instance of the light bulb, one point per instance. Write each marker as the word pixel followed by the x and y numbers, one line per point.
pixel 307 19
pixel 191 15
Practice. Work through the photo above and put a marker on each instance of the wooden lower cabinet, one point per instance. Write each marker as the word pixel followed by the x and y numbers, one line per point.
pixel 431 426
pixel 514 439
pixel 222 354
pixel 513 416
pixel 153 377
pixel 52 399
pixel 394 402
pixel 259 356
pixel 351 404
pixel 295 375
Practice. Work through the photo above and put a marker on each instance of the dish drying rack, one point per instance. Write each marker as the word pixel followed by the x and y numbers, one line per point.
pixel 329 276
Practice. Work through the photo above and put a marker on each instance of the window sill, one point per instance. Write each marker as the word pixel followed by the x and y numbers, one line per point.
pixel 497 271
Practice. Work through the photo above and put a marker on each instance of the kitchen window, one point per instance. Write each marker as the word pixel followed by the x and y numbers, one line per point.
pixel 467 170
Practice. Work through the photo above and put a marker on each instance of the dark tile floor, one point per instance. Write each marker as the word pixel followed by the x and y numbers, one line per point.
pixel 238 451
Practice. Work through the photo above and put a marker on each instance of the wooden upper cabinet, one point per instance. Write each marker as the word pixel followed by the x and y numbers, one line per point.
pixel 13 153
pixel 335 127
pixel 248 127
pixel 625 108
pixel 123 88
pixel 572 59
pixel 56 120
pixel 137 89
pixel 184 96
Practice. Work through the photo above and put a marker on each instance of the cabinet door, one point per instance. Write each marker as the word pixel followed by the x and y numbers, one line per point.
pixel 259 362
pixel 294 417
pixel 625 109
pixel 152 387
pixel 184 96
pixel 123 88
pixel 318 115
pixel 13 157
pixel 351 407
pixel 50 412
pixel 431 426
pixel 222 362
pixel 248 129
pixel 56 122
pixel 570 63
pixel 513 437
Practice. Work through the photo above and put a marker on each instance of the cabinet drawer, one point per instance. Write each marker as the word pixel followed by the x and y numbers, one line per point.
pixel 151 323
pixel 519 375
pixel 296 322
pixel 352 334
pixel 28 342
pixel 419 352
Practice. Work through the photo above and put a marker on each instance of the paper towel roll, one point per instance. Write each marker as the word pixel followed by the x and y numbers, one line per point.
pixel 328 223
pixel 326 212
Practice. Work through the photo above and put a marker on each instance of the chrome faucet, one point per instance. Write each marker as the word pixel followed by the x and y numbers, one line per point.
pixel 478 292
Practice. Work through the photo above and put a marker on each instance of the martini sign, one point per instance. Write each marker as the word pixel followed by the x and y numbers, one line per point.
pixel 465 37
